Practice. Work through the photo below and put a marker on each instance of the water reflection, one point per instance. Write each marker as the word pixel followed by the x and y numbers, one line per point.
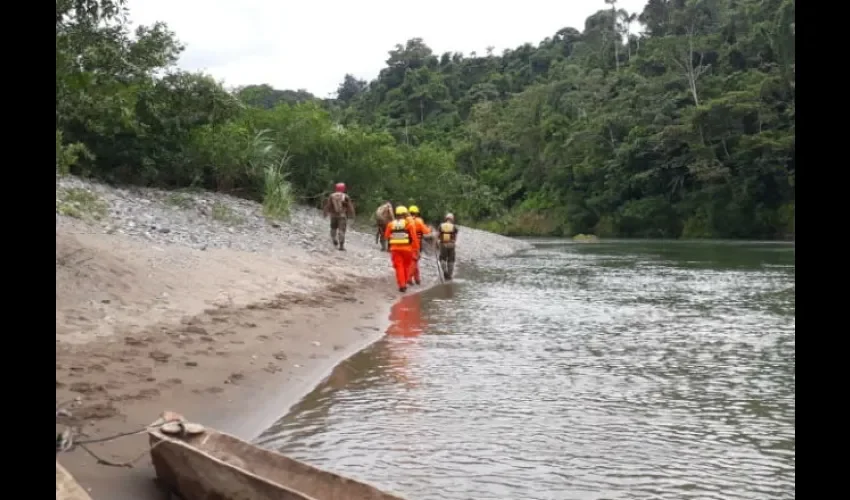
pixel 406 317
pixel 390 361
pixel 610 370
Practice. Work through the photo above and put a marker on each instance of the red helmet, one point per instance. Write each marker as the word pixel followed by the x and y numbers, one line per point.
pixel 340 187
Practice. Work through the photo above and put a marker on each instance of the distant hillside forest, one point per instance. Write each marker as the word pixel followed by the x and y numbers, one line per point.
pixel 674 122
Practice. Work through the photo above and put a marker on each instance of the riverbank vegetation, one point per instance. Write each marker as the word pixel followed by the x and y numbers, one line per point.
pixel 677 121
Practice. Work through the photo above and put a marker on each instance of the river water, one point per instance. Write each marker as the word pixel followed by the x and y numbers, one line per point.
pixel 612 370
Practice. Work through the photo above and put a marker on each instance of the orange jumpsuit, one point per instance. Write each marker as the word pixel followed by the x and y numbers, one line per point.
pixel 421 229
pixel 401 236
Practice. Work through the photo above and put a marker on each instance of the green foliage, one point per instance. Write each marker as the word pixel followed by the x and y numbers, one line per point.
pixel 687 130
pixel 81 204
pixel 264 96
pixel 684 130
pixel 523 223
pixel 279 198
pixel 67 155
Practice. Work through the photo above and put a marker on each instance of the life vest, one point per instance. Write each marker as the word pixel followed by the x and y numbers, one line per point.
pixel 447 232
pixel 399 235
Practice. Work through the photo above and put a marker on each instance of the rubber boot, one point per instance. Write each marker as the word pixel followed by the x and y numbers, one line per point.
pixel 450 267
pixel 341 246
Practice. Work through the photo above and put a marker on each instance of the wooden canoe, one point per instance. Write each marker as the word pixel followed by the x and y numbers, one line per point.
pixel 213 465
pixel 67 487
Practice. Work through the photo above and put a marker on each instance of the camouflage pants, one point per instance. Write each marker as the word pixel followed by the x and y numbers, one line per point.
pixel 379 235
pixel 339 223
pixel 447 261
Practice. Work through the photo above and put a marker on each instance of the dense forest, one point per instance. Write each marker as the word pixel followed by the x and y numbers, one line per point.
pixel 677 121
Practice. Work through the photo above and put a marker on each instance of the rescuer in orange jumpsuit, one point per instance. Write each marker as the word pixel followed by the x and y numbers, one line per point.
pixel 401 236
pixel 422 231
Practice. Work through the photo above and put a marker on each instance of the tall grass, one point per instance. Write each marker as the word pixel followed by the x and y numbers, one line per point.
pixel 266 165
pixel 278 195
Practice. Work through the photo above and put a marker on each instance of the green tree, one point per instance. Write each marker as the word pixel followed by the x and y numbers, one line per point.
pixel 686 129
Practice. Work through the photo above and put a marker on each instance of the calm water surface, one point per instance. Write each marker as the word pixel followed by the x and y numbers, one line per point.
pixel 616 370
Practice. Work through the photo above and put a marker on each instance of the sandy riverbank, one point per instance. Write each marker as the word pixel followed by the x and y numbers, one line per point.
pixel 196 303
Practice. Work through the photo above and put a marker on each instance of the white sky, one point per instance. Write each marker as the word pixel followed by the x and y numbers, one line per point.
pixel 312 45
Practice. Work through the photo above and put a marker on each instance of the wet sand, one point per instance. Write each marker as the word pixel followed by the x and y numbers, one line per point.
pixel 241 392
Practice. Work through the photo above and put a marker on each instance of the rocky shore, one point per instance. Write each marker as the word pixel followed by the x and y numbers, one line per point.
pixel 195 302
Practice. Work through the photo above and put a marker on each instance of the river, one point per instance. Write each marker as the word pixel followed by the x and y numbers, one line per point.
pixel 610 370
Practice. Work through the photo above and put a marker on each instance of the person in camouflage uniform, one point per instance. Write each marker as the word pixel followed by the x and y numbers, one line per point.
pixel 339 207
pixel 383 216
pixel 446 239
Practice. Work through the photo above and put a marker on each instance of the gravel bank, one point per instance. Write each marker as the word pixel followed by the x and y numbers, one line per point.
pixel 195 302
pixel 204 220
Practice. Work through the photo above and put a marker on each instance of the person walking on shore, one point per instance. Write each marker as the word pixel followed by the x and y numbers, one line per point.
pixel 401 235
pixel 340 207
pixel 422 231
pixel 383 216
pixel 446 240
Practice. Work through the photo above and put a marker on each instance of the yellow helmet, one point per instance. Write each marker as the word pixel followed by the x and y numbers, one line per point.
pixel 450 216
pixel 400 210
pixel 413 209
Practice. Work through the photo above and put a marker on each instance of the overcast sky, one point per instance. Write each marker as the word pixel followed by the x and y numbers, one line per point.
pixel 312 45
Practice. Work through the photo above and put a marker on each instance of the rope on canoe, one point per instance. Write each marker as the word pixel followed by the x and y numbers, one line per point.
pixel 68 439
